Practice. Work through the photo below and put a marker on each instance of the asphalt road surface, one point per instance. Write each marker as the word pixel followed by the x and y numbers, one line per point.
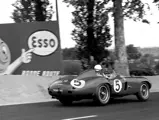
pixel 127 108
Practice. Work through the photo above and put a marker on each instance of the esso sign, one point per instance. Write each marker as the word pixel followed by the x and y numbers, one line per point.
pixel 44 42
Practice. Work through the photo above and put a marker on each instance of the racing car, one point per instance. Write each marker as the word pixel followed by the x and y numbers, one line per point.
pixel 90 85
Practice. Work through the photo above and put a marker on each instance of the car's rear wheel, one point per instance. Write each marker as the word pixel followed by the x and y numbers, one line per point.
pixel 144 93
pixel 102 95
pixel 65 101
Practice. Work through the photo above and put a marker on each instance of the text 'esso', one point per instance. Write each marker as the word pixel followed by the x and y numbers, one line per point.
pixel 44 42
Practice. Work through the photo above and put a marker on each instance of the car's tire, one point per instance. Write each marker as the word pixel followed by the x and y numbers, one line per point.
pixel 144 92
pixel 102 95
pixel 65 101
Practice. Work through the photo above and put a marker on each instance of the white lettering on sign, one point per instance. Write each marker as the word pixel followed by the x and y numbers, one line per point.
pixel 50 73
pixel 44 42
pixel 41 73
pixel 36 73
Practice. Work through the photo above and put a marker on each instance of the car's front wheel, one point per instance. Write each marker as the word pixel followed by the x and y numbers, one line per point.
pixel 102 95
pixel 65 101
pixel 144 93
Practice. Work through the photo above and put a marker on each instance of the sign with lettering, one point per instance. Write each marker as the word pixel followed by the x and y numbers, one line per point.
pixel 41 73
pixel 41 39
pixel 44 42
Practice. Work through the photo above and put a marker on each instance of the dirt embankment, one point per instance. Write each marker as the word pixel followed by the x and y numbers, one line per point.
pixel 24 89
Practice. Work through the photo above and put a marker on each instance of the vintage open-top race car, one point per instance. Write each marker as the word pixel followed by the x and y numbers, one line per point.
pixel 90 85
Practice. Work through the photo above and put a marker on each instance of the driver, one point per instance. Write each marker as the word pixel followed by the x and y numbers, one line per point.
pixel 107 73
pixel 98 70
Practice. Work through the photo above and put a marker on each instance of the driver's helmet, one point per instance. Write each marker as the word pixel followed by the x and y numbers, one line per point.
pixel 98 68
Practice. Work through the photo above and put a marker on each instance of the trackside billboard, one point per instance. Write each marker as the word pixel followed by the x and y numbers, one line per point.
pixel 31 48
pixel 43 38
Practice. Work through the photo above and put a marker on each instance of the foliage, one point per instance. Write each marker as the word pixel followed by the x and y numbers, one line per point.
pixel 146 65
pixel 91 31
pixel 141 69
pixel 156 2
pixel 142 72
pixel 147 59
pixel 69 54
pixel 72 67
pixel 132 52
pixel 123 9
pixel 135 9
pixel 32 10
pixel 157 68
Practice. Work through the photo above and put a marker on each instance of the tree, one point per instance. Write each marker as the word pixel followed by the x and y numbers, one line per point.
pixel 32 10
pixel 132 9
pixel 132 52
pixel 120 9
pixel 157 4
pixel 91 31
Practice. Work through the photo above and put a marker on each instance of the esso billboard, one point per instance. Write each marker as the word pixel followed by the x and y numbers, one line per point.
pixel 43 37
pixel 44 42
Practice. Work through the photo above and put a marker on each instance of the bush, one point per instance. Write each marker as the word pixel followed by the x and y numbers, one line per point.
pixel 72 67
pixel 142 72
pixel 139 69
pixel 157 68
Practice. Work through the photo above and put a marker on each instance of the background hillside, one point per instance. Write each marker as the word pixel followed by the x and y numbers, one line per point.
pixel 153 50
pixel 147 50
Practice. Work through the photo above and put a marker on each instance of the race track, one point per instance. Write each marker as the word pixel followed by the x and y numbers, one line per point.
pixel 127 108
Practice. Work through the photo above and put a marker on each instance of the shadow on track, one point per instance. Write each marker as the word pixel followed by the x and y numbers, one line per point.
pixel 154 98
pixel 89 103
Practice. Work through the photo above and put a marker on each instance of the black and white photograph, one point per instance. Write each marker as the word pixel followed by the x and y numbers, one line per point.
pixel 79 60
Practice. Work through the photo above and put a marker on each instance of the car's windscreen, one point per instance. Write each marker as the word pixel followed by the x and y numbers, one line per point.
pixel 88 73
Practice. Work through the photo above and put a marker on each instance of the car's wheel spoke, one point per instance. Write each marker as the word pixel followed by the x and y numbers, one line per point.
pixel 144 91
pixel 103 93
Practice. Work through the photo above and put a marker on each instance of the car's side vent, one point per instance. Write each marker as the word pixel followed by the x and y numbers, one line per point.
pixel 126 85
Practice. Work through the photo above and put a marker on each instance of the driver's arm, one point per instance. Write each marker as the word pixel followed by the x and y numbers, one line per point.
pixel 104 71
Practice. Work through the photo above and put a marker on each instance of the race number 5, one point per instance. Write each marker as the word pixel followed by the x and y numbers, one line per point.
pixel 117 85
pixel 78 83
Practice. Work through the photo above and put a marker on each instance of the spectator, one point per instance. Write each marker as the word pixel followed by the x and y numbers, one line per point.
pixel 84 63
pixel 92 62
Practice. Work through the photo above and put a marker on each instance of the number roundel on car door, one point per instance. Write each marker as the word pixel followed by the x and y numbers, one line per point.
pixel 117 85
pixel 77 83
